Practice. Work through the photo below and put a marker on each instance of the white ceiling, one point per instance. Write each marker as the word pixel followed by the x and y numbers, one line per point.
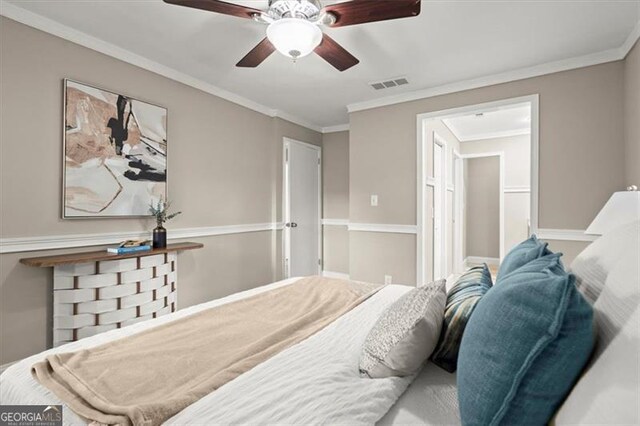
pixel 451 41
pixel 491 124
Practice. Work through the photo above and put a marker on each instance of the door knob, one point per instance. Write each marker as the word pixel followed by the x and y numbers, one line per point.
pixel 294 225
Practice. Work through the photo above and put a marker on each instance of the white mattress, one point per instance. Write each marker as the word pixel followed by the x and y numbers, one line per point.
pixel 315 381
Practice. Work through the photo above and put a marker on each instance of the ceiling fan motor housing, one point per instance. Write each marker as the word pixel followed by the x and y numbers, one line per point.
pixel 303 9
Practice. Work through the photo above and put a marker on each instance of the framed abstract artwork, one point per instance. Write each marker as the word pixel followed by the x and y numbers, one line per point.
pixel 115 153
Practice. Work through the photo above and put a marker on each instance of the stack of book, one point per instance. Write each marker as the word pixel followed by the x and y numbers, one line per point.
pixel 130 246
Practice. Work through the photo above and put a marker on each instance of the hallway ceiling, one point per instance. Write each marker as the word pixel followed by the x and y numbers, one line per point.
pixel 497 123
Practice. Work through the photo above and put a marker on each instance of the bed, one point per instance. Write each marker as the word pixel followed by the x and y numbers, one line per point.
pixel 317 380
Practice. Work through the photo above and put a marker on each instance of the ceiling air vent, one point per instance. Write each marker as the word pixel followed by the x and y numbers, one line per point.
pixel 389 83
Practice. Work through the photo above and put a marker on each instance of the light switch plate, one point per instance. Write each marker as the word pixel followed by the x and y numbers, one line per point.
pixel 388 279
pixel 374 201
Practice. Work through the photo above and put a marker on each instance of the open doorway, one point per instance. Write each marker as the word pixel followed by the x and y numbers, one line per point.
pixel 477 184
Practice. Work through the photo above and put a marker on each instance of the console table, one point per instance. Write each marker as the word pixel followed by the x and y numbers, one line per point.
pixel 98 291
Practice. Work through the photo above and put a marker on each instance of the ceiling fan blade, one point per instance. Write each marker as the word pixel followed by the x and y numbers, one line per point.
pixel 218 7
pixel 257 54
pixel 335 54
pixel 362 11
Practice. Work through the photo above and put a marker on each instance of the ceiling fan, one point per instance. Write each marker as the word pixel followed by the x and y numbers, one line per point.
pixel 294 25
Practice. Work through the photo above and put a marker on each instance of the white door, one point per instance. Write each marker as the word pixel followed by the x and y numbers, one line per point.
pixel 438 203
pixel 302 209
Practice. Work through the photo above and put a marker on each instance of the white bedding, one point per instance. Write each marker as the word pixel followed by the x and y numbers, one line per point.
pixel 315 381
pixel 432 399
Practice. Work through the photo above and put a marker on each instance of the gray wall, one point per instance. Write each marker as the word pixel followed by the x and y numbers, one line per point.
pixel 579 109
pixel 225 168
pixel 335 181
pixel 517 156
pixel 483 207
pixel 632 116
pixel 517 159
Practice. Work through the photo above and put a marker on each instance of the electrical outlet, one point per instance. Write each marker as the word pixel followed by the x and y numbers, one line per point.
pixel 374 201
pixel 388 279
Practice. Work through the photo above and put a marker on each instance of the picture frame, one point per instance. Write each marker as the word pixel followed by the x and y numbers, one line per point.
pixel 114 153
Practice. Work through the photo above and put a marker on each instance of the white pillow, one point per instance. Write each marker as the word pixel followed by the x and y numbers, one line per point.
pixel 608 272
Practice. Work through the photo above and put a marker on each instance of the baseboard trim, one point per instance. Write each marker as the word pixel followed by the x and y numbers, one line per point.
pixel 382 227
pixel 494 261
pixel 340 275
pixel 565 235
pixel 51 242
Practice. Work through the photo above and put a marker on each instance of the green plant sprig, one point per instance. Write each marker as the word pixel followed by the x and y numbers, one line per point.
pixel 161 211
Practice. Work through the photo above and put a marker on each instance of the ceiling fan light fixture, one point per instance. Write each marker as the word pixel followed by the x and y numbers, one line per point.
pixel 294 37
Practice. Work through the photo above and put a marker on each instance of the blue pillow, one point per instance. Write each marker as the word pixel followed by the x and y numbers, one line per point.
pixel 524 347
pixel 461 301
pixel 528 250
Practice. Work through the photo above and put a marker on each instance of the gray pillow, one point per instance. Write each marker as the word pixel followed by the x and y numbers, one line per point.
pixel 406 334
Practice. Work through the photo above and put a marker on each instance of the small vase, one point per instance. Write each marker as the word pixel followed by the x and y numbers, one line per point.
pixel 159 237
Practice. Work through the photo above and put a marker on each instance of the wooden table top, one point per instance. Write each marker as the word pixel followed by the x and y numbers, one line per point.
pixel 94 256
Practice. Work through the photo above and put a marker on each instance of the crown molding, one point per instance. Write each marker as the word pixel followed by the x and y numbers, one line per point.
pixel 57 29
pixel 296 120
pixel 631 40
pixel 334 129
pixel 65 32
pixel 610 55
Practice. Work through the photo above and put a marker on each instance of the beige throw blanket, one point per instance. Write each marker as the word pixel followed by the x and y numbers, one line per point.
pixel 147 378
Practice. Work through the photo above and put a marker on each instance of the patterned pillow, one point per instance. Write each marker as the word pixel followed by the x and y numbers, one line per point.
pixel 461 301
pixel 406 333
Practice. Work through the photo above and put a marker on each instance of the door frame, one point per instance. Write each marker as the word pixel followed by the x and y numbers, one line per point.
pixel 286 231
pixel 458 207
pixel 439 140
pixel 533 101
